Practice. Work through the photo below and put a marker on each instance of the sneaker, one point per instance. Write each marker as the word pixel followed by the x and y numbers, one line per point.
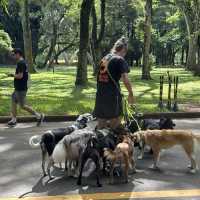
pixel 12 123
pixel 40 120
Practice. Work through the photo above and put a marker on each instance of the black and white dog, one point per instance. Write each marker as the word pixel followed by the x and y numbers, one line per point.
pixel 49 139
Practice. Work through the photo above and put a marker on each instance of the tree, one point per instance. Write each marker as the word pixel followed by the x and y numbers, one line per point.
pixel 4 4
pixel 168 34
pixel 97 38
pixel 27 35
pixel 81 76
pixel 147 40
pixel 191 12
pixel 5 45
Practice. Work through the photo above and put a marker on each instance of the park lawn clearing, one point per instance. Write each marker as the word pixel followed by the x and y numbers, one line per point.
pixel 55 93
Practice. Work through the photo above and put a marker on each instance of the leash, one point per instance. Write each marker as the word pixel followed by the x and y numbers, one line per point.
pixel 129 112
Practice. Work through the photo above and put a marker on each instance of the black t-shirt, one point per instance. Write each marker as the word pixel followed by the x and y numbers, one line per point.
pixel 116 67
pixel 21 84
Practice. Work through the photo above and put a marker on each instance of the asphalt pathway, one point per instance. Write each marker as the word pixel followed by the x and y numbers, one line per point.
pixel 21 174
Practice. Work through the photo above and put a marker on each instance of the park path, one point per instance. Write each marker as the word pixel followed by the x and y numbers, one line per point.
pixel 21 172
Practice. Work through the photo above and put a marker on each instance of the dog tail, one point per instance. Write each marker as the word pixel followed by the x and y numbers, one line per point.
pixel 34 141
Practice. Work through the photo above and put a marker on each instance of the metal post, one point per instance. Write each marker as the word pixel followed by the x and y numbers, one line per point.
pixel 176 82
pixel 160 104
pixel 169 102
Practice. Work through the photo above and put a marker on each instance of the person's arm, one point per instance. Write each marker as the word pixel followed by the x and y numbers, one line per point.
pixel 128 86
pixel 16 76
pixel 20 71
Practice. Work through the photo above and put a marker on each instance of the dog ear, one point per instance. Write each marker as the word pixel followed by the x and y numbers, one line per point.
pixel 136 137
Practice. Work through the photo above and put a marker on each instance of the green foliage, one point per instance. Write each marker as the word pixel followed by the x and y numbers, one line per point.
pixel 4 4
pixel 5 42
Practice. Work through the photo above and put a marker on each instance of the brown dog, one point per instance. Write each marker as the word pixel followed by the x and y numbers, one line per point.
pixel 164 139
pixel 123 153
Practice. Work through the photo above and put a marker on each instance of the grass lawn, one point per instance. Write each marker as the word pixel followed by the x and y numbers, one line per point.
pixel 55 93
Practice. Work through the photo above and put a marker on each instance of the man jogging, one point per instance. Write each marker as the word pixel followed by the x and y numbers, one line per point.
pixel 113 68
pixel 20 90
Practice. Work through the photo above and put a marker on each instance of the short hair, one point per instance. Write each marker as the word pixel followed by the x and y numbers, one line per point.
pixel 119 45
pixel 18 51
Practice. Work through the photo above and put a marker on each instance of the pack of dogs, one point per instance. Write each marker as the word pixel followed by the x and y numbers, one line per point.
pixel 111 151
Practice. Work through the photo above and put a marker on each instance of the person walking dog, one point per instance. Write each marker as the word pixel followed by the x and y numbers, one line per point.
pixel 20 90
pixel 113 68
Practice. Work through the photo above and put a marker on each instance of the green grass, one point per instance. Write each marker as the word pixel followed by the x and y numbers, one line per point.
pixel 55 93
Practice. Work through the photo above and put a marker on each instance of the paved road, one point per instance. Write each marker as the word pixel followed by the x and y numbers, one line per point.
pixel 20 172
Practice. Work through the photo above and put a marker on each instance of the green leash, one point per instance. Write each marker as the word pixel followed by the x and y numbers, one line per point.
pixel 129 112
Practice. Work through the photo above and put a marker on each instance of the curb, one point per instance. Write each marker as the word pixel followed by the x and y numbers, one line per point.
pixel 49 118
pixel 62 118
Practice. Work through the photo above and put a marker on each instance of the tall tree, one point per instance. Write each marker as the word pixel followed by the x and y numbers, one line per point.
pixel 81 76
pixel 147 40
pixel 191 12
pixel 27 35
pixel 97 38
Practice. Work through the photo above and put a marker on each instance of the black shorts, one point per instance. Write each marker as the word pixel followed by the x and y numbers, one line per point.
pixel 108 106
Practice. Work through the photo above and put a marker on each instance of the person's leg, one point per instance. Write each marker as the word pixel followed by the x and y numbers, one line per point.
pixel 101 123
pixel 115 122
pixel 14 107
pixel 13 120
pixel 21 96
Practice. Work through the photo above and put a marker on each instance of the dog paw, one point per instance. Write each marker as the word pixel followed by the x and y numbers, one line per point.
pixel 126 181
pixel 99 185
pixel 51 178
pixel 111 182
pixel 78 182
pixel 189 167
pixel 140 157
pixel 193 171
pixel 154 167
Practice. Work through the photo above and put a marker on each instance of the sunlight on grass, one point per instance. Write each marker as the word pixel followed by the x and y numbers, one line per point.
pixel 56 94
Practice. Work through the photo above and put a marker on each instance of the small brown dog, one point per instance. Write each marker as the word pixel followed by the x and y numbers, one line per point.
pixel 123 153
pixel 165 139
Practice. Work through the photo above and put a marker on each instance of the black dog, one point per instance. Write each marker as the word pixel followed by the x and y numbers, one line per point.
pixel 105 138
pixel 48 140
pixel 92 152
pixel 163 123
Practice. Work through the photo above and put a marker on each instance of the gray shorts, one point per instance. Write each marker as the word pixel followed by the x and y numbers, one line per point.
pixel 19 97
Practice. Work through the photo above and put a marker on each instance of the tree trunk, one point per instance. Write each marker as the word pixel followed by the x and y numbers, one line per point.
pixel 51 48
pixel 182 55
pixel 187 50
pixel 147 40
pixel 198 55
pixel 193 38
pixel 96 41
pixel 27 36
pixel 81 76
pixel 191 60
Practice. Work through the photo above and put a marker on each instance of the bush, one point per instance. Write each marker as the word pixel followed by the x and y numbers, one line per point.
pixel 5 42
